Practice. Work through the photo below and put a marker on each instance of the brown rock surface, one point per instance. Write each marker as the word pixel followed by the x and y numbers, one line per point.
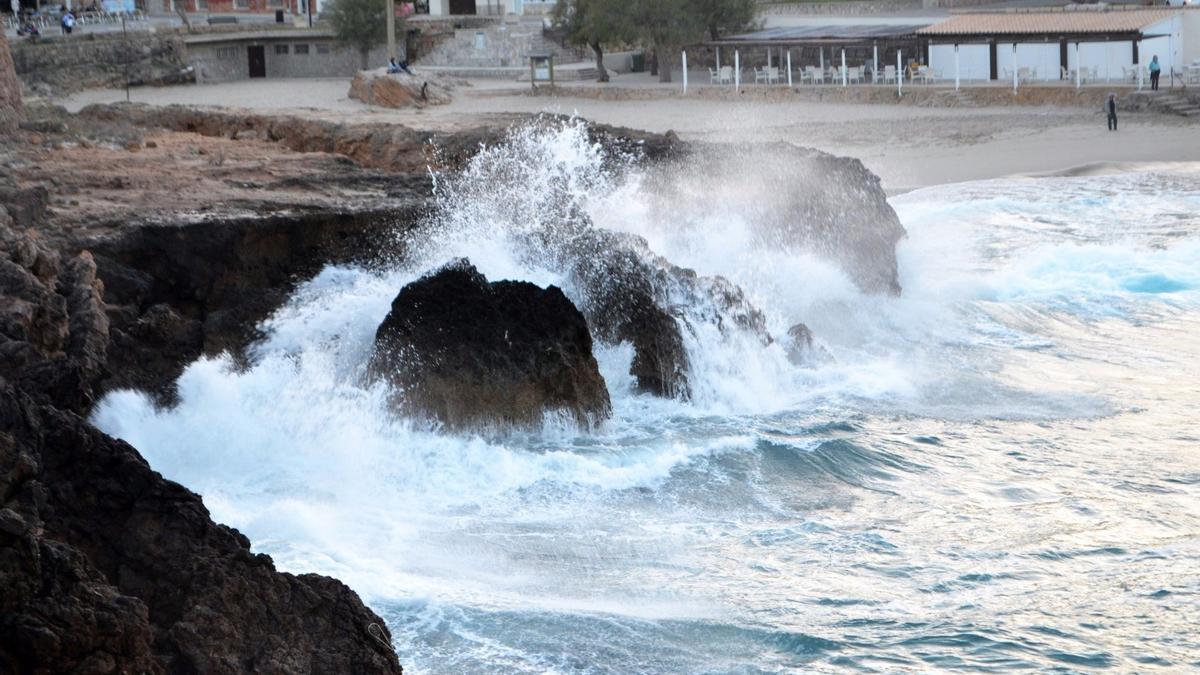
pixel 10 90
pixel 400 90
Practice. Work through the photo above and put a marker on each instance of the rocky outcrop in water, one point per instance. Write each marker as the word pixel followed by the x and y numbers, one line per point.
pixel 476 354
pixel 631 295
pixel 10 90
pixel 797 200
pixel 107 567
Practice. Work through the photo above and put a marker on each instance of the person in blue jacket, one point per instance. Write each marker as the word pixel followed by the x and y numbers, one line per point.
pixel 1111 107
pixel 1155 69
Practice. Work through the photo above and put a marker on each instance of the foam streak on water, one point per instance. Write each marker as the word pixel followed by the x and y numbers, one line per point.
pixel 999 470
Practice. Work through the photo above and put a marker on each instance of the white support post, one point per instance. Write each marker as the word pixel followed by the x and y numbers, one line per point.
pixel 737 70
pixel 899 73
pixel 718 61
pixel 845 75
pixel 1078 68
pixel 789 66
pixel 768 57
pixel 875 64
pixel 685 71
pixel 1141 79
pixel 956 67
pixel 1014 67
pixel 822 52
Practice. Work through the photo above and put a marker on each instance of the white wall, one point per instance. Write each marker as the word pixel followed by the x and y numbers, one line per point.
pixel 1044 56
pixel 973 61
pixel 1190 29
pixel 1108 58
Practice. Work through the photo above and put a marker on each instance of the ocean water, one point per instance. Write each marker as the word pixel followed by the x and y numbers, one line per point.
pixel 998 470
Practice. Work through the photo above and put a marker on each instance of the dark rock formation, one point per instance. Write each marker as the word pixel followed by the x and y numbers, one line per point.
pixel 174 293
pixel 802 350
pixel 799 200
pixel 10 91
pixel 107 567
pixel 476 354
pixel 630 294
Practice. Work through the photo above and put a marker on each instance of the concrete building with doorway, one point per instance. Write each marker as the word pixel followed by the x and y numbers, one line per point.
pixel 483 7
pixel 221 57
pixel 1084 43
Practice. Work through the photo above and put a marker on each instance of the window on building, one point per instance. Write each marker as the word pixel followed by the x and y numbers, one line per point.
pixel 226 52
pixel 274 3
pixel 281 49
pixel 201 5
pixel 322 49
pixel 241 4
pixel 480 40
pixel 300 49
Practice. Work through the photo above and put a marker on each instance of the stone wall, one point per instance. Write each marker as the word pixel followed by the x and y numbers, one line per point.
pixel 500 44
pixel 10 90
pixel 62 64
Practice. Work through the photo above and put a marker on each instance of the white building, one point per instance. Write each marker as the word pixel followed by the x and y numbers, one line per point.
pixel 1110 44
pixel 488 7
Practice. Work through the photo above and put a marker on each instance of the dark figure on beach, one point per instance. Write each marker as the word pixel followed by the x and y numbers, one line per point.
pixel 1112 112
pixel 1155 69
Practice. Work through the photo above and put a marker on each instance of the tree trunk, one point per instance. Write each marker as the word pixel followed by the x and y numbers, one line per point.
pixel 366 56
pixel 600 61
pixel 664 64
pixel 653 62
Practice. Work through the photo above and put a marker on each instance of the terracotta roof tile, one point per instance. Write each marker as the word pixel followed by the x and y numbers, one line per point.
pixel 1040 23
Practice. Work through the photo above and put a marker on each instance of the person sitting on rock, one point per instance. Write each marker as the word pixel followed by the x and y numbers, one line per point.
pixel 401 67
pixel 68 23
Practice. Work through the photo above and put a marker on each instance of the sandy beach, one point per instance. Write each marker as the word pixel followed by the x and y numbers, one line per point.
pixel 906 145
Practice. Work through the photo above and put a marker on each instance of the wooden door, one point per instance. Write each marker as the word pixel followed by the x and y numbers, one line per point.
pixel 258 61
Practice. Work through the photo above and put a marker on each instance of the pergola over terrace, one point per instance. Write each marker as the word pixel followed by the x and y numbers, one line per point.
pixel 864 42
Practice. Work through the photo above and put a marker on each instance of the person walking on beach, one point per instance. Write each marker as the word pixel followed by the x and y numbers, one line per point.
pixel 1155 69
pixel 1112 112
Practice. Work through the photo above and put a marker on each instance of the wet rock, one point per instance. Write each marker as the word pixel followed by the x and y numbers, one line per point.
pixel 802 350
pixel 631 295
pixel 796 200
pixel 472 353
pixel 107 567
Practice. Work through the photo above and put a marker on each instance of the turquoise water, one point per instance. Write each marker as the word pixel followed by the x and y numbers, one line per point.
pixel 999 470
